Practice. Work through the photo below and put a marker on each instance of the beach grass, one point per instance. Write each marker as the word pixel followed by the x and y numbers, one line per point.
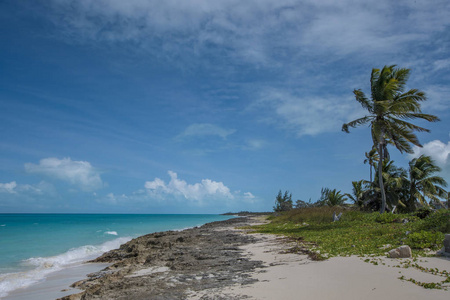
pixel 359 233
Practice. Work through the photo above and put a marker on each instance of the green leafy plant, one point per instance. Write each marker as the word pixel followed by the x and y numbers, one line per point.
pixel 425 239
pixel 387 218
pixel 437 221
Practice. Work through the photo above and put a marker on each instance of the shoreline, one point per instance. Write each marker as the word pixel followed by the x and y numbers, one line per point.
pixel 218 261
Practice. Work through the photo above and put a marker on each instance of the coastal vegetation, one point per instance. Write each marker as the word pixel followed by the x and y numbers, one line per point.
pixel 397 206
pixel 393 189
pixel 389 108
pixel 360 232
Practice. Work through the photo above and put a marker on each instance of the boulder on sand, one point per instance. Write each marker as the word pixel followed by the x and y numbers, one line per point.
pixel 400 252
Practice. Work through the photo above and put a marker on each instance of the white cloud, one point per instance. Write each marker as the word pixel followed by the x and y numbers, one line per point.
pixel 206 190
pixel 27 190
pixel 308 115
pixel 249 196
pixel 335 27
pixel 441 64
pixel 78 173
pixel 437 98
pixel 8 187
pixel 205 129
pixel 254 144
pixel 113 199
pixel 438 151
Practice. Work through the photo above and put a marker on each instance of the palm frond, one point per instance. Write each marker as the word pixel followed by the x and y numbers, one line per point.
pixel 408 125
pixel 362 99
pixel 355 123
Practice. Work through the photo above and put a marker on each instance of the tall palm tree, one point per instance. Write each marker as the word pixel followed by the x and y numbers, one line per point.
pixel 423 183
pixel 371 158
pixel 388 109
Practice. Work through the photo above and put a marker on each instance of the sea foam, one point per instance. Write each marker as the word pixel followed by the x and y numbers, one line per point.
pixel 42 266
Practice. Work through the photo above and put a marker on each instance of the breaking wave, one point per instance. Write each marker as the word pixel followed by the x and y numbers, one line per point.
pixel 42 266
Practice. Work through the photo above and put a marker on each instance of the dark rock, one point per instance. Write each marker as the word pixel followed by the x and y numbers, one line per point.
pixel 447 243
pixel 193 260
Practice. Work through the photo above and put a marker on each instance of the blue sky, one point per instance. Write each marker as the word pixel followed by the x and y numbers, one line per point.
pixel 202 106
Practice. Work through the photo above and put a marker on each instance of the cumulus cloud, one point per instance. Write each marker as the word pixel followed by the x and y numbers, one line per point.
pixel 439 152
pixel 200 192
pixel 205 129
pixel 78 173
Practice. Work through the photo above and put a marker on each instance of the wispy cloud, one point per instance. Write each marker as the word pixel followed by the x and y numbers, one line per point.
pixel 8 187
pixel 78 173
pixel 199 27
pixel 205 130
pixel 13 194
pixel 438 99
pixel 297 38
pixel 308 115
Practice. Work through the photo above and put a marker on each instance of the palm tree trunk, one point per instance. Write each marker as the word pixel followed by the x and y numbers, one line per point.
pixel 380 176
pixel 371 165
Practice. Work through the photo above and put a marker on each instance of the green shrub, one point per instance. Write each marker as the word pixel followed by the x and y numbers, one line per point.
pixel 315 215
pixel 425 239
pixel 437 221
pixel 423 212
pixel 387 218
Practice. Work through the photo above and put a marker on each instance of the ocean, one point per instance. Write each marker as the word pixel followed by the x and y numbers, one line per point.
pixel 33 246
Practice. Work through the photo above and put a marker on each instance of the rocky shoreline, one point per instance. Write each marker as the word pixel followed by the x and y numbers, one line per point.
pixel 174 264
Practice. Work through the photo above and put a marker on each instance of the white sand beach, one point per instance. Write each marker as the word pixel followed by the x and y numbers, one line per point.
pixel 293 276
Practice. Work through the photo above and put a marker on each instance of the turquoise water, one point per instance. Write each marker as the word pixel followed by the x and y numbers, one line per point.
pixel 34 245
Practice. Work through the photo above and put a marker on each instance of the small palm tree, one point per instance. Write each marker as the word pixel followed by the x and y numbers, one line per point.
pixel 334 198
pixel 388 109
pixel 395 185
pixel 371 158
pixel 358 190
pixel 423 183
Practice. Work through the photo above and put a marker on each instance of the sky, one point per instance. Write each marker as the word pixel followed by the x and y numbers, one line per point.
pixel 195 106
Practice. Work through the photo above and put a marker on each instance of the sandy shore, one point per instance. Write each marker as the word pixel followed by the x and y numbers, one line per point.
pixel 292 276
pixel 218 261
pixel 56 285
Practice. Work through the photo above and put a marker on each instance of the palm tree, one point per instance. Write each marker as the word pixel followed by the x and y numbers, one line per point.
pixel 358 191
pixel 423 183
pixel 334 198
pixel 388 109
pixel 371 158
pixel 395 187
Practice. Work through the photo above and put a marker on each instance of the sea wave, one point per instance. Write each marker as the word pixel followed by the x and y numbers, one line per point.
pixel 43 266
pixel 111 232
